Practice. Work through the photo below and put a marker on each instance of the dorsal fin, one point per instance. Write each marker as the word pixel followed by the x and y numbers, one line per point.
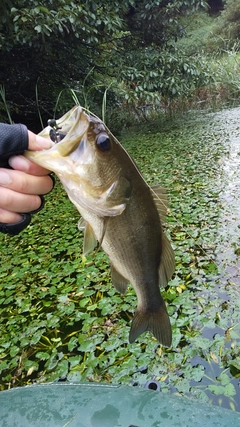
pixel 160 198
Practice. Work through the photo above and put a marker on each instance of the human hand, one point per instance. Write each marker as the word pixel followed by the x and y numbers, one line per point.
pixel 21 187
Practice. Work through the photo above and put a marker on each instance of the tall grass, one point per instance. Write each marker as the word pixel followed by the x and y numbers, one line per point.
pixel 3 96
pixel 226 72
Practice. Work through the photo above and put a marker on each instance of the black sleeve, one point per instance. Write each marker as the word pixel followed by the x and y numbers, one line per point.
pixel 13 141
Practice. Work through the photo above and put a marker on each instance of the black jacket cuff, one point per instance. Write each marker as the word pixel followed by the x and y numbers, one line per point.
pixel 16 228
pixel 13 141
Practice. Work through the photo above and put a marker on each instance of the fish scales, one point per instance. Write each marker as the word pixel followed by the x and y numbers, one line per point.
pixel 119 211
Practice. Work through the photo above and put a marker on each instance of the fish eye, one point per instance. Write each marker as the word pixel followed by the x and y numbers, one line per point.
pixel 103 143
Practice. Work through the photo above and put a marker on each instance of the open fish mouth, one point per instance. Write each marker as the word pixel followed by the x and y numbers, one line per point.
pixel 83 154
pixel 71 147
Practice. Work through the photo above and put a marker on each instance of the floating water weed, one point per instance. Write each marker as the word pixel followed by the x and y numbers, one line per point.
pixel 61 316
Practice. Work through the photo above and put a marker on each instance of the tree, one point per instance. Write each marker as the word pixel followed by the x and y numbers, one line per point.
pixel 50 48
pixel 46 48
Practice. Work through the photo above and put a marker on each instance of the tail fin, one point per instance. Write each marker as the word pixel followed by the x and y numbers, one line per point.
pixel 156 322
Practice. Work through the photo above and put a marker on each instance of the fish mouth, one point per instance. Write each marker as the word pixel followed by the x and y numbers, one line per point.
pixel 72 150
pixel 83 154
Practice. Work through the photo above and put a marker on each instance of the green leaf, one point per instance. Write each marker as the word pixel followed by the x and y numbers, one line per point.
pixel 38 28
pixel 229 390
pixel 216 389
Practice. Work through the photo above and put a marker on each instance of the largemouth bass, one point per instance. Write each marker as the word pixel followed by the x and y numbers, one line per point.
pixel 120 211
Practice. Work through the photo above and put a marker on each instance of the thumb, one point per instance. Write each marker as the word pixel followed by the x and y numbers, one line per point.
pixel 36 142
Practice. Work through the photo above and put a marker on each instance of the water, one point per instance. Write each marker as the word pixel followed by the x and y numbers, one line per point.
pixel 228 248
pixel 221 380
pixel 200 156
pixel 197 159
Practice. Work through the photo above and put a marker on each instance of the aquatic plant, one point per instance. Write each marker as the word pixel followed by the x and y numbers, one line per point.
pixel 61 316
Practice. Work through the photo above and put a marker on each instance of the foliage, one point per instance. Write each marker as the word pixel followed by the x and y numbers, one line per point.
pixel 226 32
pixel 226 82
pixel 169 75
pixel 157 22
pixel 223 89
pixel 60 315
pixel 55 46
pixel 3 96
pixel 196 32
pixel 87 21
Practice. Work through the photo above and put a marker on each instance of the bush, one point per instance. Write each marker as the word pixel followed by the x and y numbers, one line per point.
pixel 226 32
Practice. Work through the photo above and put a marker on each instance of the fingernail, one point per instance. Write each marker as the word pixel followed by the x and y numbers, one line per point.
pixel 5 178
pixel 43 143
pixel 19 162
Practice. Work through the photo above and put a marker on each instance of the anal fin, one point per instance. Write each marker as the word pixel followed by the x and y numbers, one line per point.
pixel 167 264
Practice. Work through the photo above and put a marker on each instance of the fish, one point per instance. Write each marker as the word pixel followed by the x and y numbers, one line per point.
pixel 119 210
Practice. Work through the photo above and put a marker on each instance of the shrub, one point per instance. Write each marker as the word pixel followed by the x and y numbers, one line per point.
pixel 226 32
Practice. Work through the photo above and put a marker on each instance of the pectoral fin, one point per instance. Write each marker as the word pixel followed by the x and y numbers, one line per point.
pixel 113 200
pixel 119 192
pixel 104 202
pixel 103 228
pixel 167 264
pixel 118 280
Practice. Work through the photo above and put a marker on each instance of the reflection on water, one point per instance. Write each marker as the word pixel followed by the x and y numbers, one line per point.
pixel 220 386
pixel 228 249
pixel 206 355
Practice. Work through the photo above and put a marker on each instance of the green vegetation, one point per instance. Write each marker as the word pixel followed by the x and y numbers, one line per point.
pixel 197 32
pixel 226 30
pixel 61 317
pixel 88 47
pixel 171 55
pixel 59 314
pixel 56 46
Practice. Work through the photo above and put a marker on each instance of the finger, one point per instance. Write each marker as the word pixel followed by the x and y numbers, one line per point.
pixel 24 183
pixel 36 142
pixel 21 163
pixel 17 202
pixel 7 217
